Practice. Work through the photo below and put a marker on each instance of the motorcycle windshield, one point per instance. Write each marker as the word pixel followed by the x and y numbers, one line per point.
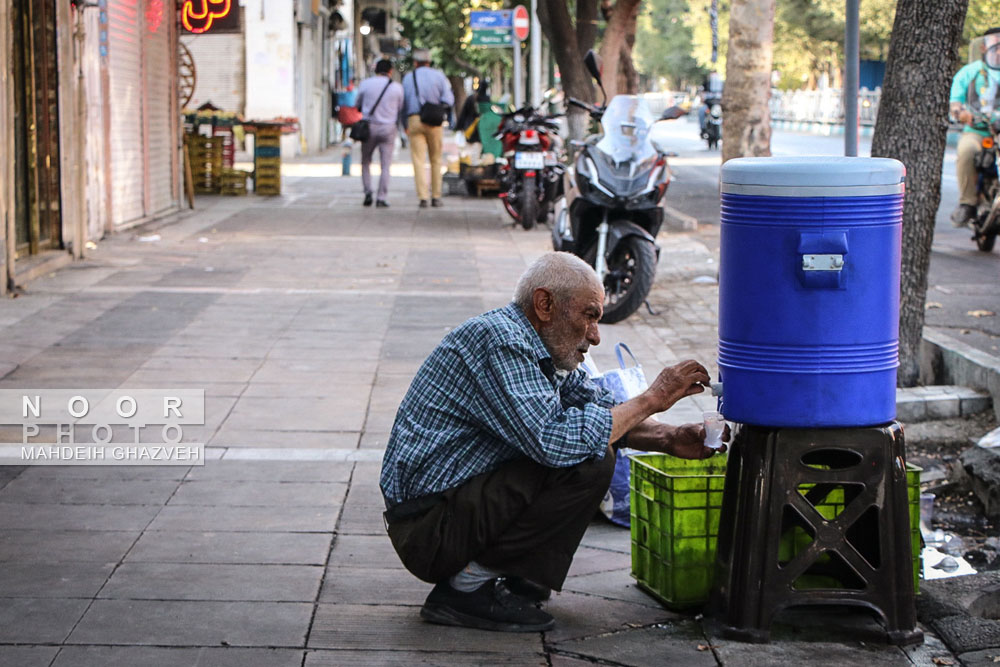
pixel 625 179
pixel 626 123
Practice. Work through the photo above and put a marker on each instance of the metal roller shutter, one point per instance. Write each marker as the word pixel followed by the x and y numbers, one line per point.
pixel 161 88
pixel 221 64
pixel 125 21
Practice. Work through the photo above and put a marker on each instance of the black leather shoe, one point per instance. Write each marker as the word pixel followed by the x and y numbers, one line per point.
pixel 381 203
pixel 437 203
pixel 368 199
pixel 423 203
pixel 490 607
pixel 528 589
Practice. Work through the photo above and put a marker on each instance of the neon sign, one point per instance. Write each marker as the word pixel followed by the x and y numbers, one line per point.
pixel 197 16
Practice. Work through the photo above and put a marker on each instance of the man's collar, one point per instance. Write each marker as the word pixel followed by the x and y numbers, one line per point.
pixel 515 313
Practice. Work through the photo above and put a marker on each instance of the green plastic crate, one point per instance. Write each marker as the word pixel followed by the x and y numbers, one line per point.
pixel 675 508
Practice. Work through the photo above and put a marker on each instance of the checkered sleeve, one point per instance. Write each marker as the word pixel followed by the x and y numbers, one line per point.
pixel 578 390
pixel 523 409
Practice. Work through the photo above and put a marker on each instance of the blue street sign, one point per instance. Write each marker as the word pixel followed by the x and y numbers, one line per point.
pixel 482 20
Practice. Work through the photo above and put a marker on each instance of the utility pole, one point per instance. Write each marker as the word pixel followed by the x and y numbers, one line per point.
pixel 536 57
pixel 851 75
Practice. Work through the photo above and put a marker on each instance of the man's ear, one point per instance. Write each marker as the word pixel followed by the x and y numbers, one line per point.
pixel 543 304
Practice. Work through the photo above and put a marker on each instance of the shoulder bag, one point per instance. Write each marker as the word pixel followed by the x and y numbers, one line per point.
pixel 430 113
pixel 361 130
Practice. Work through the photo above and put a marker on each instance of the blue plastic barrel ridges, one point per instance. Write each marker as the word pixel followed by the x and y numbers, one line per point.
pixel 809 297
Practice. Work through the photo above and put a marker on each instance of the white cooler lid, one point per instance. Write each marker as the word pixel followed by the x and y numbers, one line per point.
pixel 813 176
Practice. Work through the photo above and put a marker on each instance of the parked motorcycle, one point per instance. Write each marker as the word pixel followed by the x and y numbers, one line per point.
pixel 531 179
pixel 611 214
pixel 986 224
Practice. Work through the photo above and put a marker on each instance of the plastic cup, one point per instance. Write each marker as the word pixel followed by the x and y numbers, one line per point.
pixel 926 508
pixel 715 424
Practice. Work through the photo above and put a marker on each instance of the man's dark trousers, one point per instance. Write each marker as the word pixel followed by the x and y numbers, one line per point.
pixel 522 519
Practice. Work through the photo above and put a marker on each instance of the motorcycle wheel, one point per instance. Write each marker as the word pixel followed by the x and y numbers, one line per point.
pixel 529 202
pixel 630 276
pixel 985 238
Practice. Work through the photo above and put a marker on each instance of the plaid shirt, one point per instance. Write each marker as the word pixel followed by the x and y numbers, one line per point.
pixel 488 394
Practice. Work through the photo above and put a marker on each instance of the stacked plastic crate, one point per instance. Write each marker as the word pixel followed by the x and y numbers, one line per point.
pixel 267 159
pixel 206 162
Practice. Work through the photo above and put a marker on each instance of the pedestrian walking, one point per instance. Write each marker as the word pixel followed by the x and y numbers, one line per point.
pixel 380 100
pixel 428 99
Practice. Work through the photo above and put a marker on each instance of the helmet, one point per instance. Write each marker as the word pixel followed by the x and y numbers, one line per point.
pixel 987 49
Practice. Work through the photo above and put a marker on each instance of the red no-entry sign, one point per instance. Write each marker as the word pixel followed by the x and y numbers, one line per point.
pixel 522 24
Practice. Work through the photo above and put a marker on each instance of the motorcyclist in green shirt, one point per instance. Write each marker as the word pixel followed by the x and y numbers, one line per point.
pixel 974 89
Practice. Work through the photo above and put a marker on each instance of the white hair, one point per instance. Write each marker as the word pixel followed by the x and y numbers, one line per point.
pixel 561 273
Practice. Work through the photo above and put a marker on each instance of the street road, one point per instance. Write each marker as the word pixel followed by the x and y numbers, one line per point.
pixel 962 279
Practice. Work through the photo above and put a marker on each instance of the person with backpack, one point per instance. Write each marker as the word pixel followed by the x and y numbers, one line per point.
pixel 380 100
pixel 429 99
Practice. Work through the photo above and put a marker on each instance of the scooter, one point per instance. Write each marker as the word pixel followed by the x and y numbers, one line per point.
pixel 986 224
pixel 712 131
pixel 531 179
pixel 610 214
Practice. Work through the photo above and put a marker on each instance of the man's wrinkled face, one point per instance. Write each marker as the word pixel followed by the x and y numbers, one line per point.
pixel 574 327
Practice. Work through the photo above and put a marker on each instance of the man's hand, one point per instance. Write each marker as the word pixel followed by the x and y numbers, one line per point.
pixel 676 382
pixel 965 117
pixel 688 442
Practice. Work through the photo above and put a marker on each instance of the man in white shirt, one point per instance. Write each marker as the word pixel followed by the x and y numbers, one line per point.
pixel 380 100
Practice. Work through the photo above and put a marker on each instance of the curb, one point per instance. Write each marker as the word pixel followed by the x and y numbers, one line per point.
pixel 953 362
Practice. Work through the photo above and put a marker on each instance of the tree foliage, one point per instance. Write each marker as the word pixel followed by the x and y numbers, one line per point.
pixel 664 44
pixel 443 27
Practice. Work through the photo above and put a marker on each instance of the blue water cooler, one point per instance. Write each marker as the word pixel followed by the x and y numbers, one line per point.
pixel 815 509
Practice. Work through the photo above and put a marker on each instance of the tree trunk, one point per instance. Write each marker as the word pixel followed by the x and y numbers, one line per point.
pixel 912 127
pixel 458 89
pixel 746 125
pixel 616 50
pixel 568 44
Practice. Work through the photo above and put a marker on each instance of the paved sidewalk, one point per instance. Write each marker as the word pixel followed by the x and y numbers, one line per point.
pixel 304 317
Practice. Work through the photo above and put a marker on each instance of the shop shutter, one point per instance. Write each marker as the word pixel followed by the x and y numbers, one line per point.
pixel 161 90
pixel 125 23
pixel 220 61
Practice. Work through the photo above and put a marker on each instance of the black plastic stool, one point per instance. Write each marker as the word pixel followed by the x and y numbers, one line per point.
pixel 776 549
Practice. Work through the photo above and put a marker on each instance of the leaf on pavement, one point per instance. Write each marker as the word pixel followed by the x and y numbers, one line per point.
pixel 981 313
pixel 942 661
pixel 932 304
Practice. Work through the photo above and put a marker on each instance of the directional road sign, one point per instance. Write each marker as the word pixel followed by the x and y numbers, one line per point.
pixel 482 20
pixel 522 24
pixel 493 37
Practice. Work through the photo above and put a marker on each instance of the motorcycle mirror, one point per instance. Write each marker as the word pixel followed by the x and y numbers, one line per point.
pixel 592 62
pixel 659 137
pixel 673 112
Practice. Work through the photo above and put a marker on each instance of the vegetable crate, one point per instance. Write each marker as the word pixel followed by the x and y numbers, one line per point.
pixel 675 510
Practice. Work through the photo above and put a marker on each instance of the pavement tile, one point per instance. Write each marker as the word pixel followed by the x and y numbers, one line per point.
pixel 345 412
pixel 617 585
pixel 76 517
pixel 228 547
pixel 63 546
pixel 193 581
pixel 672 643
pixel 588 560
pixel 107 473
pixel 371 439
pixel 234 435
pixel 181 623
pixel 272 471
pixel 223 518
pixel 354 626
pixel 586 615
pixel 84 491
pixel 258 493
pixel 149 656
pixel 33 579
pixel 788 652
pixel 602 534
pixel 370 586
pixel 28 656
pixel 390 657
pixel 364 551
pixel 39 620
pixel 358 519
